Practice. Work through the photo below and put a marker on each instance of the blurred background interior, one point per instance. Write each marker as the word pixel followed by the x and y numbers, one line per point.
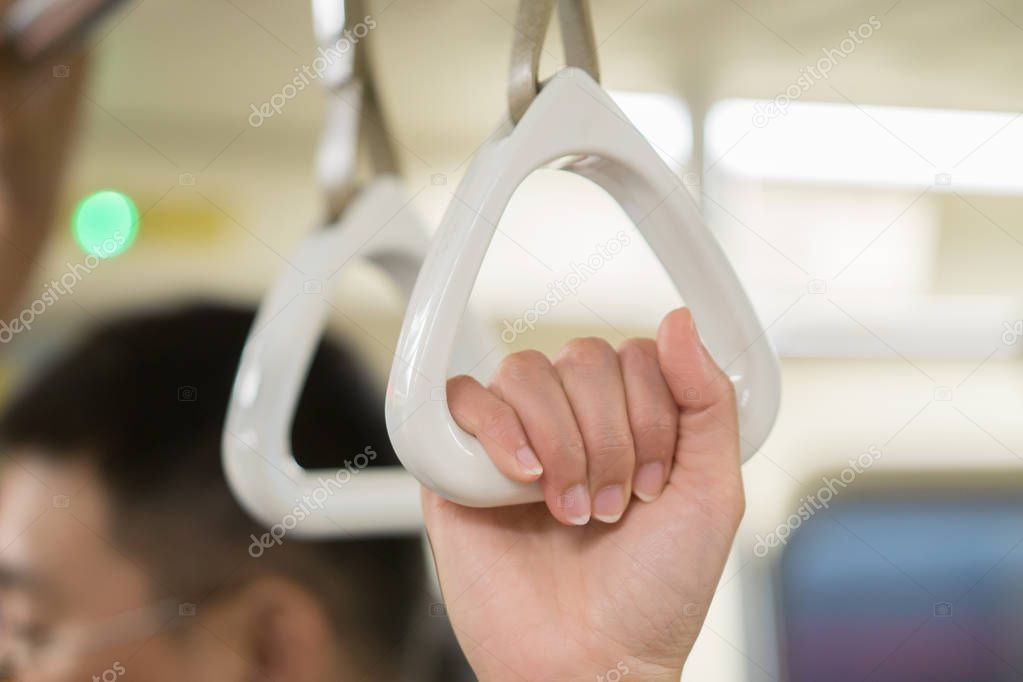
pixel 875 213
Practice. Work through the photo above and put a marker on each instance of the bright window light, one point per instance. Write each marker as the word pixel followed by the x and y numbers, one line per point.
pixel 867 145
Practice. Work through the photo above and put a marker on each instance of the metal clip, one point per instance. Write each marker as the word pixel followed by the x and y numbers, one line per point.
pixel 531 22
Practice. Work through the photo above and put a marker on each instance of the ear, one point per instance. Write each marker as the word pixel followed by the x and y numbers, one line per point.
pixel 275 629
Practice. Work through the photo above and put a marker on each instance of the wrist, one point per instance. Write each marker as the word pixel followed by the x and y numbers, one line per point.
pixel 628 670
pixel 644 671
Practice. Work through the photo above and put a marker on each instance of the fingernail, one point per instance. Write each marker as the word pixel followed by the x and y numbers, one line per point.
pixel 609 504
pixel 527 458
pixel 576 503
pixel 649 481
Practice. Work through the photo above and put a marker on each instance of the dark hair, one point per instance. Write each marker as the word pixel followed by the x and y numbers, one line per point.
pixel 143 399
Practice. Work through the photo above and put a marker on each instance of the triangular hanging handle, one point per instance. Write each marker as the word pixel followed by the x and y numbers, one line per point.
pixel 382 228
pixel 372 222
pixel 570 117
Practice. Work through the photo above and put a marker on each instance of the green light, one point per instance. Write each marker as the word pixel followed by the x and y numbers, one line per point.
pixel 106 223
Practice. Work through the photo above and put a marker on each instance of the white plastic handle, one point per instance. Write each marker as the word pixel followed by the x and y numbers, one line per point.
pixel 260 467
pixel 571 116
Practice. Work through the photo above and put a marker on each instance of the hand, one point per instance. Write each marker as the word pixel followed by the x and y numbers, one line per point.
pixel 542 592
pixel 38 109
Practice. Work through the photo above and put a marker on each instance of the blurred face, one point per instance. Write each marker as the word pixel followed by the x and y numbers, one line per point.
pixel 76 606
pixel 62 578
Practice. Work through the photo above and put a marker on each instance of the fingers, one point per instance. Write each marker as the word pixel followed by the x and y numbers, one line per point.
pixel 527 381
pixel 653 416
pixel 708 419
pixel 592 380
pixel 597 425
pixel 496 425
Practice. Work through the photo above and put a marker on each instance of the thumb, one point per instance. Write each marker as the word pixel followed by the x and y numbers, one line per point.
pixel 708 420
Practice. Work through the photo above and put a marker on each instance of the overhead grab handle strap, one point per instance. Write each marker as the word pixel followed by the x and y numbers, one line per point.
pixel 354 121
pixel 534 16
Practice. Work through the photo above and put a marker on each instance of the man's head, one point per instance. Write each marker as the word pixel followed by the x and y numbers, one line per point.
pixel 121 543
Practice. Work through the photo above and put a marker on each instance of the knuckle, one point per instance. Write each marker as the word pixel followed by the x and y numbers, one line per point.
pixel 659 421
pixel 612 457
pixel 721 392
pixel 687 377
pixel 638 348
pixel 736 503
pixel 587 351
pixel 729 389
pixel 500 423
pixel 659 428
pixel 523 366
pixel 721 388
pixel 611 442
pixel 571 449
